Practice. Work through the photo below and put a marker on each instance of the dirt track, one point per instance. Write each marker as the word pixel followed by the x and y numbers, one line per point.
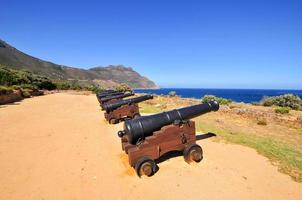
pixel 59 147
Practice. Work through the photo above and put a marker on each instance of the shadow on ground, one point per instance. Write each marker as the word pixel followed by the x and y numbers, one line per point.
pixel 16 103
pixel 173 154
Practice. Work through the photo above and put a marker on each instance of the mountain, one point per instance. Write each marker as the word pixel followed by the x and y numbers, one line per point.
pixel 104 76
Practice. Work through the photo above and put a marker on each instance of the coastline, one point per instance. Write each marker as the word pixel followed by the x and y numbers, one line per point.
pixel 236 95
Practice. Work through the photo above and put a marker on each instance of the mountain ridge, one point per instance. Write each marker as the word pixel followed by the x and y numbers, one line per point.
pixel 107 76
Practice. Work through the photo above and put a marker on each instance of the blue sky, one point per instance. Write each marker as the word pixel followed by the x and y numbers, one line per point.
pixel 203 44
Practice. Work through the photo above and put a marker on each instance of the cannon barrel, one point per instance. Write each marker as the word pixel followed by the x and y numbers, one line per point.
pixel 107 91
pixel 99 96
pixel 142 127
pixel 108 98
pixel 112 106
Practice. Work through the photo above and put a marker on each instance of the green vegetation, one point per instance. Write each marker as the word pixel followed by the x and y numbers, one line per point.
pixel 25 94
pixel 24 79
pixel 148 108
pixel 287 157
pixel 286 100
pixel 282 110
pixel 5 90
pixel 221 101
pixel 123 87
pixel 255 103
pixel 95 89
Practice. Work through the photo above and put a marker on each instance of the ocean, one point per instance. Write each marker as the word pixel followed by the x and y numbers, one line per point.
pixel 238 95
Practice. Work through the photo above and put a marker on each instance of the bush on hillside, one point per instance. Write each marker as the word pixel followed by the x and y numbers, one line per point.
pixel 96 89
pixel 10 77
pixel 286 100
pixel 123 87
pixel 220 100
pixel 24 79
pixel 5 90
pixel 25 93
pixel 62 85
pixel 282 110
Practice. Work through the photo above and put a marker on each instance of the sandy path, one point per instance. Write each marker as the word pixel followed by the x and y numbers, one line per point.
pixel 59 147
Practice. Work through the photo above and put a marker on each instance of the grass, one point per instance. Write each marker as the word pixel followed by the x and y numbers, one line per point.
pixel 282 110
pixel 147 108
pixel 286 157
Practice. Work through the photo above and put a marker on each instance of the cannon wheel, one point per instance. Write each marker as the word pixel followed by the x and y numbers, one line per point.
pixel 112 121
pixel 145 166
pixel 193 152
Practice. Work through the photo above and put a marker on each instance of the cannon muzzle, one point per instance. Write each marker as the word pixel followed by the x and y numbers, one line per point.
pixel 112 106
pixel 138 129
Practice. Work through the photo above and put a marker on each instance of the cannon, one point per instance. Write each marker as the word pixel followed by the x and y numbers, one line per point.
pixel 103 95
pixel 107 91
pixel 124 109
pixel 112 99
pixel 147 138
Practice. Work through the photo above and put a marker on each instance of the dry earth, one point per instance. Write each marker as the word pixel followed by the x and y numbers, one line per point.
pixel 58 146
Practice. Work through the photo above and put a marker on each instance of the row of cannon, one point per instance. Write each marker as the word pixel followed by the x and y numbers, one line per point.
pixel 147 138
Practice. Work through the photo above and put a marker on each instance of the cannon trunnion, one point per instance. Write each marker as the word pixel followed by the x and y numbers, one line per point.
pixel 147 138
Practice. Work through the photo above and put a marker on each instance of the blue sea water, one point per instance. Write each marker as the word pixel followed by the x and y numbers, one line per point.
pixel 238 95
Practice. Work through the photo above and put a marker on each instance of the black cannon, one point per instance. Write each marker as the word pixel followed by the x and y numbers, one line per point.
pixel 112 106
pixel 106 91
pixel 117 97
pixel 101 95
pixel 123 109
pixel 147 138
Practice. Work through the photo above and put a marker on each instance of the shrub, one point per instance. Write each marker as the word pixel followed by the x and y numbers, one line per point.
pixel 62 85
pixel 96 89
pixel 286 100
pixel 25 93
pixel 7 77
pixel 255 103
pixel 172 94
pixel 5 90
pixel 28 86
pixel 262 122
pixel 220 100
pixel 123 87
pixel 10 77
pixel 282 110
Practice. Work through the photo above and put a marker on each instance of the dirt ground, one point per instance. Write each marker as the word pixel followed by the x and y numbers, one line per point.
pixel 59 146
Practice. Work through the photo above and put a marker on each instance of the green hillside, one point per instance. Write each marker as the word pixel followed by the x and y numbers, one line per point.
pixel 104 76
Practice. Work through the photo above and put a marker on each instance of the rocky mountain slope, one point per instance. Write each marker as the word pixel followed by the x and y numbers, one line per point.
pixel 104 76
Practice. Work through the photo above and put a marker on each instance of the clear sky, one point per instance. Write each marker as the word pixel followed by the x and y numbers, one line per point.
pixel 203 44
